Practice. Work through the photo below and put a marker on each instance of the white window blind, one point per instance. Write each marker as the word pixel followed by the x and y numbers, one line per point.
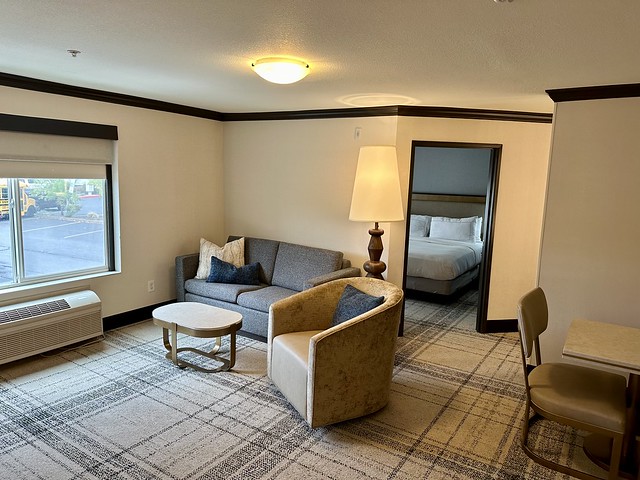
pixel 30 155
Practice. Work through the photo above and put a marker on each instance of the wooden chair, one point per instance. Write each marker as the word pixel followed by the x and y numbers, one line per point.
pixel 581 397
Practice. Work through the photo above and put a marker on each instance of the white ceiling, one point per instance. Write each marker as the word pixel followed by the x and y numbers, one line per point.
pixel 455 53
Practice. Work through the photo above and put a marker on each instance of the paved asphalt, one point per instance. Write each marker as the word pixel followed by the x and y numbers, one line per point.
pixel 53 244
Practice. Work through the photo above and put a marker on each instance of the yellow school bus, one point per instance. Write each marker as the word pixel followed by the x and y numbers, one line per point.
pixel 27 204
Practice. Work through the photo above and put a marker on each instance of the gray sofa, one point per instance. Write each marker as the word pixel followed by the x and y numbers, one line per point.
pixel 285 269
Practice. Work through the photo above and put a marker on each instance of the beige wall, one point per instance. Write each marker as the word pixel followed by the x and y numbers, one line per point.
pixel 288 180
pixel 171 191
pixel 521 190
pixel 292 180
pixel 590 256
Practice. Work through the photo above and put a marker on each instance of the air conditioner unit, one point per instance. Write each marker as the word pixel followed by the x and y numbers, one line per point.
pixel 36 326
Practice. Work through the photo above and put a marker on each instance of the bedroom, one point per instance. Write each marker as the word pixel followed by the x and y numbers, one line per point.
pixel 450 222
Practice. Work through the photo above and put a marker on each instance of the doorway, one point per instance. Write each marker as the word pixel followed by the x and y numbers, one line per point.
pixel 456 185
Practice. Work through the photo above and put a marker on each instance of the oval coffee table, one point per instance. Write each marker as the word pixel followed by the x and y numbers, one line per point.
pixel 202 321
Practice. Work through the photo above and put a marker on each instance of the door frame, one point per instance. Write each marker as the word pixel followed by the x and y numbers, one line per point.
pixel 489 219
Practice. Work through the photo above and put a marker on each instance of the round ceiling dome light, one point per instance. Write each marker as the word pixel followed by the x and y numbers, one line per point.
pixel 281 70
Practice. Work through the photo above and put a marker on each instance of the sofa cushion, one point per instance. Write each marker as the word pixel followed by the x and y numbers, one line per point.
pixel 297 263
pixel 224 272
pixel 226 292
pixel 232 252
pixel 354 302
pixel 262 299
pixel 261 251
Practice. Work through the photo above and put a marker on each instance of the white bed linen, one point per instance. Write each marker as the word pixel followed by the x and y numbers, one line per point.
pixel 441 259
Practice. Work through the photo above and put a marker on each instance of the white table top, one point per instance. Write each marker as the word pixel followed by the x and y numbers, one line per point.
pixel 196 316
pixel 603 343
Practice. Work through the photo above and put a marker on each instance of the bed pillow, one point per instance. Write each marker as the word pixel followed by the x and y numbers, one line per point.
pixel 419 225
pixel 232 252
pixel 224 272
pixel 477 231
pixel 463 229
pixel 354 302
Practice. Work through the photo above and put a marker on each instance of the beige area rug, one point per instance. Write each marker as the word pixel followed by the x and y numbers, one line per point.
pixel 118 409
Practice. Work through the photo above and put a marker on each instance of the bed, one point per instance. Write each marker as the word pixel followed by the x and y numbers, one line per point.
pixel 444 253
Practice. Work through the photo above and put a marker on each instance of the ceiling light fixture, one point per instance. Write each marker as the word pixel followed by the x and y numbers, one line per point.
pixel 281 70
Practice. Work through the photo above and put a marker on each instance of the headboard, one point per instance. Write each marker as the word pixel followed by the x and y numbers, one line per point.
pixel 447 205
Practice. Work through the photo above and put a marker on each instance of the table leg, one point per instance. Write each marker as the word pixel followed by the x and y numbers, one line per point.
pixel 216 347
pixel 232 350
pixel 173 351
pixel 174 346
pixel 171 347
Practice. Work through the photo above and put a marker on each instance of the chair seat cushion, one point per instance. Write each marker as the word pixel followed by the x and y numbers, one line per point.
pixel 580 393
pixel 290 366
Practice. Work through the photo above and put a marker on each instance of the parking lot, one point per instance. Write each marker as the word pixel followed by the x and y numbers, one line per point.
pixel 53 244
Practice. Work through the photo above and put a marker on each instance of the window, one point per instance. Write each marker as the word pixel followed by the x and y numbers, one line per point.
pixel 56 206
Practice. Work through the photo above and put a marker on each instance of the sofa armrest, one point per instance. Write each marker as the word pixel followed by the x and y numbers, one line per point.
pixel 327 277
pixel 186 268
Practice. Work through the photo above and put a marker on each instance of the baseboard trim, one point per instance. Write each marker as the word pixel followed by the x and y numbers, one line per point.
pixel 132 316
pixel 501 326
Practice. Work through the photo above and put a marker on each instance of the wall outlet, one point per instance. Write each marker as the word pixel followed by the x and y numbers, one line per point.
pixel 151 286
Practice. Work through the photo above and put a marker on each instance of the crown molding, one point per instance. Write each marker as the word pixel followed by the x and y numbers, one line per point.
pixel 602 92
pixel 312 114
pixel 475 114
pixel 28 83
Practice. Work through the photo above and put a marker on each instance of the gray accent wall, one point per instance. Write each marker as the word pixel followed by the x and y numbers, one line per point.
pixel 451 171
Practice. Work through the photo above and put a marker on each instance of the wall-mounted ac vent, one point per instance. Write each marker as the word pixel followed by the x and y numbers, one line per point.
pixel 33 310
pixel 34 327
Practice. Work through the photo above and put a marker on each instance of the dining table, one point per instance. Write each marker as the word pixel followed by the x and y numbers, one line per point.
pixel 615 348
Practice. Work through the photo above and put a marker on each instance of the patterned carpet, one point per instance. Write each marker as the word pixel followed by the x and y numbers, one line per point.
pixel 118 409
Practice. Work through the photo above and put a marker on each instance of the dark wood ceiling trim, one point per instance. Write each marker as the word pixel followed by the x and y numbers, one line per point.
pixel 27 83
pixel 474 114
pixel 312 114
pixel 595 93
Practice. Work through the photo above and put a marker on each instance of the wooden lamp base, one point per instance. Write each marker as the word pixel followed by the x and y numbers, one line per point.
pixel 374 266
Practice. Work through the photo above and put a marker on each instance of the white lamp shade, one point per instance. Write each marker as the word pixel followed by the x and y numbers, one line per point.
pixel 281 70
pixel 376 190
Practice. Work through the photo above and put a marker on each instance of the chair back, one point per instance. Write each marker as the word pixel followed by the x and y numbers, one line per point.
pixel 533 318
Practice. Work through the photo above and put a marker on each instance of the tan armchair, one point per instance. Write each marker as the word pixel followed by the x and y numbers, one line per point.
pixel 331 374
pixel 580 397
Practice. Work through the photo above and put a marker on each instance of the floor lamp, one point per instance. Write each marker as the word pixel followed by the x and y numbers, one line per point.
pixel 376 198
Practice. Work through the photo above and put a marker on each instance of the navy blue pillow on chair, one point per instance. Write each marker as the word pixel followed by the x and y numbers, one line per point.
pixel 223 272
pixel 352 303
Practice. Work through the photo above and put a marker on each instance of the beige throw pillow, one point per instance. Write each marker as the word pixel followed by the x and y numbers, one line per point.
pixel 232 252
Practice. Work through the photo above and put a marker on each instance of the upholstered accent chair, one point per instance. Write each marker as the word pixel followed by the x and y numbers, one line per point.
pixel 334 373
pixel 583 398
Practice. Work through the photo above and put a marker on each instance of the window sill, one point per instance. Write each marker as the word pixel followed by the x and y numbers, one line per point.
pixel 42 289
